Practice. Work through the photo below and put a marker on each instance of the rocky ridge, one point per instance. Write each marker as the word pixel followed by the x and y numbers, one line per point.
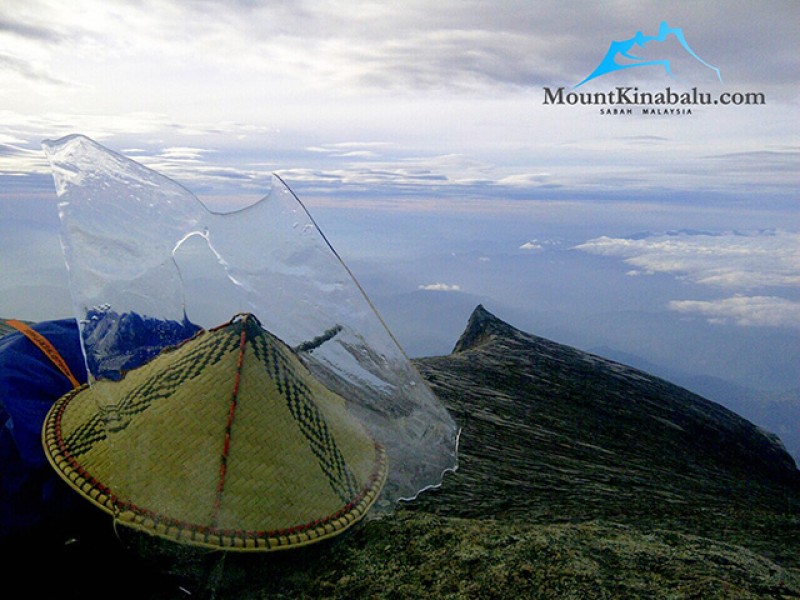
pixel 565 426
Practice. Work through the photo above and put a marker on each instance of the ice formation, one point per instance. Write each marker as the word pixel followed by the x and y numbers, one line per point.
pixel 137 242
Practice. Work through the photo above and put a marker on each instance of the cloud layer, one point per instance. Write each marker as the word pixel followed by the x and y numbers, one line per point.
pixel 765 311
pixel 731 261
pixel 417 97
pixel 727 260
pixel 413 45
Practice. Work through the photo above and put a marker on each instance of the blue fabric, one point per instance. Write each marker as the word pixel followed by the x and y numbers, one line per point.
pixel 30 491
pixel 30 382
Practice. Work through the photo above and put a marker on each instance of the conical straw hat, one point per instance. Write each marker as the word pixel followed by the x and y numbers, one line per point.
pixel 226 441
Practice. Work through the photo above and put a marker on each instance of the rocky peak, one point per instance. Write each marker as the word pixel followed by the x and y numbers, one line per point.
pixel 482 327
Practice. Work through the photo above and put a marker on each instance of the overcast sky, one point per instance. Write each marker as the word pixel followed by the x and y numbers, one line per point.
pixel 394 96
pixel 438 106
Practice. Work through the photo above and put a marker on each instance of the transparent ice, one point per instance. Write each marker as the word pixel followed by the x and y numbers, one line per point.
pixel 136 242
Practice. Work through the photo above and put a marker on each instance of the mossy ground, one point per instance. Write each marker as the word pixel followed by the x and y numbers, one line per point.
pixel 414 555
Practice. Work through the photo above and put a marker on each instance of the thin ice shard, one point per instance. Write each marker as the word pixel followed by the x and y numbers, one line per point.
pixel 136 242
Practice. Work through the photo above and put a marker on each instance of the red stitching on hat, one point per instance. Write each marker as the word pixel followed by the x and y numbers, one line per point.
pixel 226 446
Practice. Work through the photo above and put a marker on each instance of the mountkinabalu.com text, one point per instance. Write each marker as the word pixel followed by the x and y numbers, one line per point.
pixel 632 96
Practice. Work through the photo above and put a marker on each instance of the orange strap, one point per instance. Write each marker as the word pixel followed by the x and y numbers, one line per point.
pixel 45 346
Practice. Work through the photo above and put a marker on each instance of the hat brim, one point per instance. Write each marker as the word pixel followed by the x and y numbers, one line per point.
pixel 142 519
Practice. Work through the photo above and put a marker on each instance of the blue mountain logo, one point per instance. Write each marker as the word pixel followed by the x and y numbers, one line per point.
pixel 625 48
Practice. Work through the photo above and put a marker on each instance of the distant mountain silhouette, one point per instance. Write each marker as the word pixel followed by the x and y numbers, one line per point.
pixel 625 48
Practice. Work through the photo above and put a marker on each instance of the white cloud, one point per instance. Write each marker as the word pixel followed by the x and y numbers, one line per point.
pixel 768 311
pixel 440 287
pixel 183 153
pixel 532 245
pixel 537 244
pixel 351 149
pixel 429 171
pixel 525 179
pixel 728 260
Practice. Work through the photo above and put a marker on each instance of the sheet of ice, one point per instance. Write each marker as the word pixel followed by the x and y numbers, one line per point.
pixel 137 242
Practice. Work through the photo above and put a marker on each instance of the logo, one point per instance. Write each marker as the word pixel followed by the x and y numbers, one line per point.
pixel 667 52
pixel 624 50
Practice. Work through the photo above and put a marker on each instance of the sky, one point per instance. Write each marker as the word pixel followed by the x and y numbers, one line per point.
pixel 418 135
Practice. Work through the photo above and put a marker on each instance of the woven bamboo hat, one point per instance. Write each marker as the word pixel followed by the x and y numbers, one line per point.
pixel 226 441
